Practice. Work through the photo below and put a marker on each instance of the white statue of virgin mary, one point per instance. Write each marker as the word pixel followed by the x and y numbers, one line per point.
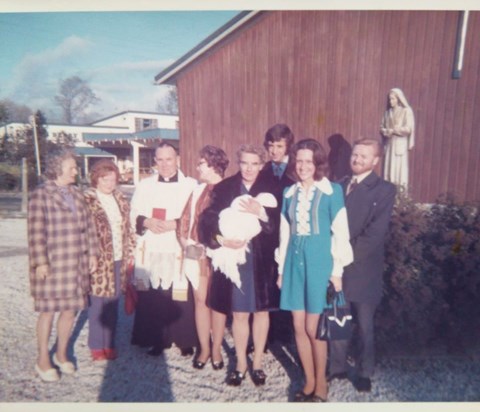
pixel 398 127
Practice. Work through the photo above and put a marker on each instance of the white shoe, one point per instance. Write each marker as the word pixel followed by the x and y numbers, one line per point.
pixel 50 375
pixel 68 368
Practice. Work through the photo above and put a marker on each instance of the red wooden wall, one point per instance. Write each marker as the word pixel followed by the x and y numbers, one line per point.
pixel 329 72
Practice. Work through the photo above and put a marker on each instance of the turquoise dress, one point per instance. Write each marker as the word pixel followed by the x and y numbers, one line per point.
pixel 314 244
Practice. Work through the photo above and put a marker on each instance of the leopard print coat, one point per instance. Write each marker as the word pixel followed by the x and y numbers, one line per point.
pixel 102 282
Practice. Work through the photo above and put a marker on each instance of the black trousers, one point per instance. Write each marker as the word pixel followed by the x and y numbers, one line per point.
pixel 160 321
pixel 361 345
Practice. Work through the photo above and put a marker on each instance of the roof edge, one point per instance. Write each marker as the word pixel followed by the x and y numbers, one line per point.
pixel 168 75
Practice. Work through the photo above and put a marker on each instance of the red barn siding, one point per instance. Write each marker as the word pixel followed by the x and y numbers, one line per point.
pixel 328 72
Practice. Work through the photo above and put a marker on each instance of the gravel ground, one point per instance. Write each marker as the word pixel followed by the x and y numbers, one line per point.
pixel 137 377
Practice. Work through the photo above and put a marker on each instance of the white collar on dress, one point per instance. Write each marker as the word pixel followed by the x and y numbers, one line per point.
pixel 323 185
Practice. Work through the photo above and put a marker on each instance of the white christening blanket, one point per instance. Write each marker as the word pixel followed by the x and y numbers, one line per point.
pixel 235 224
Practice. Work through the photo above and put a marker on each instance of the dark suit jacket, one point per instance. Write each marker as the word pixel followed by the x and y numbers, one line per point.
pixel 283 182
pixel 369 208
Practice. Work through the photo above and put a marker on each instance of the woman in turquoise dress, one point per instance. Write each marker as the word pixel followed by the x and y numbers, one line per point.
pixel 314 248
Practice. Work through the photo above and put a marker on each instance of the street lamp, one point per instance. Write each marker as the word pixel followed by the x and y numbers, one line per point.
pixel 35 138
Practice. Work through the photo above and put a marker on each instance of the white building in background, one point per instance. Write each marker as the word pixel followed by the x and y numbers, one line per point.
pixel 129 137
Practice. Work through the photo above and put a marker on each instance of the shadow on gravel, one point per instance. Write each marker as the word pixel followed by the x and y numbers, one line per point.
pixel 147 381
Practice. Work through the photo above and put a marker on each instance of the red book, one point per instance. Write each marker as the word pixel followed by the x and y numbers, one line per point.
pixel 159 213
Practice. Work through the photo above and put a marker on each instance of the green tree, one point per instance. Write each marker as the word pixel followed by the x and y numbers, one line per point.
pixel 14 112
pixel 26 142
pixel 74 97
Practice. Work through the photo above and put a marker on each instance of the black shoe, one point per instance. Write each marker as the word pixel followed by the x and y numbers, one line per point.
pixel 187 351
pixel 199 364
pixel 317 398
pixel 155 351
pixel 362 384
pixel 258 377
pixel 235 378
pixel 217 365
pixel 340 376
pixel 300 396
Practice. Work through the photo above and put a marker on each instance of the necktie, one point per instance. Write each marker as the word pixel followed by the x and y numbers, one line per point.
pixel 278 169
pixel 353 184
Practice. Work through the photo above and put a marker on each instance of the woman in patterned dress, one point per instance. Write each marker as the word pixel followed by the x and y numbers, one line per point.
pixel 314 248
pixel 111 212
pixel 62 253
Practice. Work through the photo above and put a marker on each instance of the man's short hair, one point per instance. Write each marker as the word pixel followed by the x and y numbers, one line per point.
pixel 278 132
pixel 368 141
pixel 165 144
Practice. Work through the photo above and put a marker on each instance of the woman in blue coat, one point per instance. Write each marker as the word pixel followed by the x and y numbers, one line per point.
pixel 314 248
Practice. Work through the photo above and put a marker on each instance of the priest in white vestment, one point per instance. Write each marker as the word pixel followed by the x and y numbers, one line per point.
pixel 164 312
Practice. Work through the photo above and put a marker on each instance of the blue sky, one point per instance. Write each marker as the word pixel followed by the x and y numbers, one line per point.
pixel 118 53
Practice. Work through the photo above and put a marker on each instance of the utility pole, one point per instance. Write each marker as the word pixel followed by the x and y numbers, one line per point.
pixel 24 185
pixel 35 137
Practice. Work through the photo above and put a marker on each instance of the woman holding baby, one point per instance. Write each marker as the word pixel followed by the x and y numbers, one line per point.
pixel 258 293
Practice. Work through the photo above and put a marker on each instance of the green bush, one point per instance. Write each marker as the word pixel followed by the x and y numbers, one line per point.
pixel 432 285
pixel 10 178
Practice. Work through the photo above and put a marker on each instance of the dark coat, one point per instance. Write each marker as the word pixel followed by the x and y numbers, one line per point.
pixel 263 245
pixel 369 208
pixel 283 182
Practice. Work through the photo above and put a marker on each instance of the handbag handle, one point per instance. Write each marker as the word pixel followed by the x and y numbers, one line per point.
pixel 339 299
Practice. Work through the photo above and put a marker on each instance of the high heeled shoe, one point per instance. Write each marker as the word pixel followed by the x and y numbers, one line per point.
pixel 301 396
pixel 68 368
pixel 258 377
pixel 217 365
pixel 317 398
pixel 235 378
pixel 199 364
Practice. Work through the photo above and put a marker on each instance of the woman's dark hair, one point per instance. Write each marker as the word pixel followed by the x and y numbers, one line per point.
pixel 102 168
pixel 216 158
pixel 320 159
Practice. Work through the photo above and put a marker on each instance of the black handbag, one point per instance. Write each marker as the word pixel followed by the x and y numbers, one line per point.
pixel 336 320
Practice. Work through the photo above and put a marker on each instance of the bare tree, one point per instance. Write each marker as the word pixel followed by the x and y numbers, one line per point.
pixel 13 112
pixel 74 98
pixel 169 105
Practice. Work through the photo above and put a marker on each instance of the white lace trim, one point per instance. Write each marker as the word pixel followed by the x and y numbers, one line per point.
pixel 302 213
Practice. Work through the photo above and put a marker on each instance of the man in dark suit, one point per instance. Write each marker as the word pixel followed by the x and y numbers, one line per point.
pixel 369 202
pixel 278 141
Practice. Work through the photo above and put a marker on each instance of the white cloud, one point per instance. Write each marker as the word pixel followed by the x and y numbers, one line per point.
pixel 127 85
pixel 36 75
pixel 152 66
